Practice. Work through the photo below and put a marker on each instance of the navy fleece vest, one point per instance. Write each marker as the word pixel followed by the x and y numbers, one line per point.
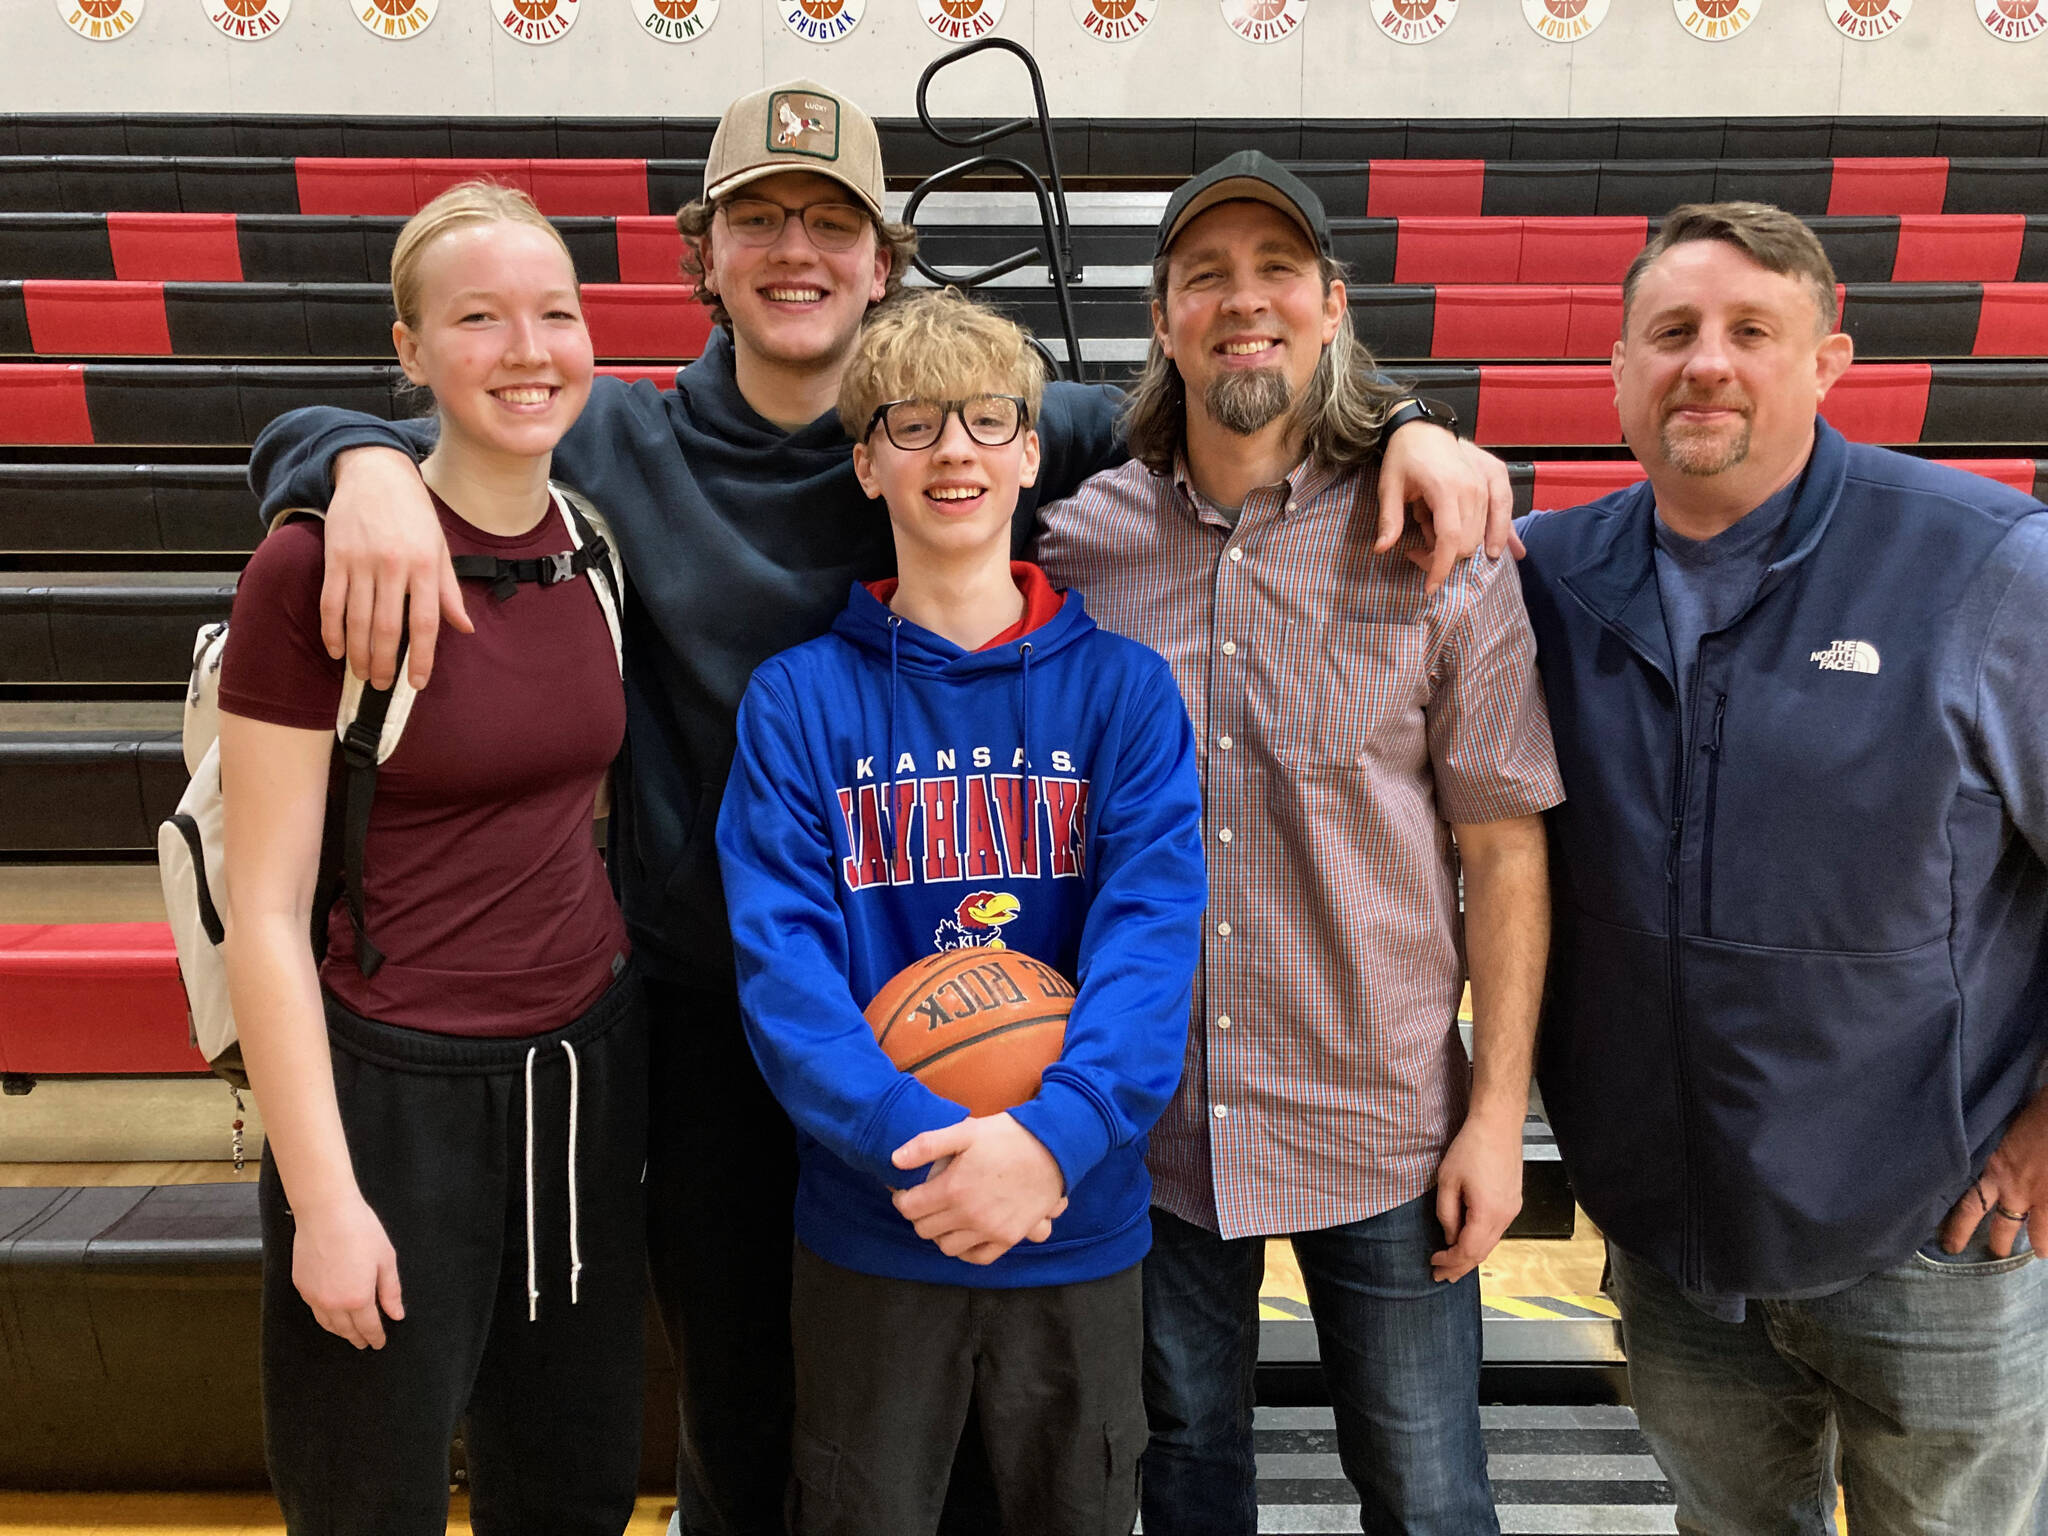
pixel 1799 979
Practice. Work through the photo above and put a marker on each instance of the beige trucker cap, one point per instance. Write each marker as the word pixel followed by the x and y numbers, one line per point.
pixel 795 126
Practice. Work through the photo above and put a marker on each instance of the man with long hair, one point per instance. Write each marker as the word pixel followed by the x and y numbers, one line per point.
pixel 1363 734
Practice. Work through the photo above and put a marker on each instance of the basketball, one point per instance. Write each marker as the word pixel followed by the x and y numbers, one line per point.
pixel 978 1026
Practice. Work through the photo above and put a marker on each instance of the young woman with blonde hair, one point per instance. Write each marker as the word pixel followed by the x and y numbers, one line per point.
pixel 455 1094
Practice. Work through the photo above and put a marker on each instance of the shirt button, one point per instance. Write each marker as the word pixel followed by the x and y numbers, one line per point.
pixel 1221 1111
pixel 1223 929
pixel 1230 647
pixel 1237 552
pixel 1291 508
pixel 1223 1021
pixel 1225 835
pixel 1223 742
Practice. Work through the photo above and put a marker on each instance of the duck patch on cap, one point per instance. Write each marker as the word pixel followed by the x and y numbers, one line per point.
pixel 803 123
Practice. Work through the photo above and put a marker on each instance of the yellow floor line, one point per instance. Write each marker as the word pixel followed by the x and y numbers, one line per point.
pixel 1515 1306
pixel 1598 1304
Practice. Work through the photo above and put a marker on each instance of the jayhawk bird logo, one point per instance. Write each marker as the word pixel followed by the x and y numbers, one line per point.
pixel 791 126
pixel 978 921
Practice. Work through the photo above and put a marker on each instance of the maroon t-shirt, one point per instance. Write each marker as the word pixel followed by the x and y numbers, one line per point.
pixel 482 884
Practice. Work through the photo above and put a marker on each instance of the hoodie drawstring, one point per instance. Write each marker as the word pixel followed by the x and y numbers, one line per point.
pixel 888 773
pixel 575 1236
pixel 1024 694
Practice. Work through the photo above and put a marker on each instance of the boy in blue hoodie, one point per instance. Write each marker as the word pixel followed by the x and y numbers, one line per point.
pixel 964 733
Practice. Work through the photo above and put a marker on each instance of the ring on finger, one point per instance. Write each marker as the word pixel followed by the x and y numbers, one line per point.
pixel 2011 1215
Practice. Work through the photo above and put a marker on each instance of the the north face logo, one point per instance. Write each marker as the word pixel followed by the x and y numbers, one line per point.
pixel 1847 656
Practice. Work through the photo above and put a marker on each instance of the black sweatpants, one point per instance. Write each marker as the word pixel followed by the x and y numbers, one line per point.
pixel 438 1128
pixel 887 1372
pixel 721 1196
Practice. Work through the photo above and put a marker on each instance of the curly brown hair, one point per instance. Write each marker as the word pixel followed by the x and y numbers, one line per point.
pixel 694 220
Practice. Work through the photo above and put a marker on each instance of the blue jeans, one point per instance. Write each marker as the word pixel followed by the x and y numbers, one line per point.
pixel 1931 1379
pixel 1400 1357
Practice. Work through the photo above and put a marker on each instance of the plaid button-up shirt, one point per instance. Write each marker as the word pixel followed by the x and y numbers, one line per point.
pixel 1343 720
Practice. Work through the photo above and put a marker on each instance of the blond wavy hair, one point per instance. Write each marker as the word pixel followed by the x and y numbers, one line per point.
pixel 1341 414
pixel 694 219
pixel 937 344
pixel 467 203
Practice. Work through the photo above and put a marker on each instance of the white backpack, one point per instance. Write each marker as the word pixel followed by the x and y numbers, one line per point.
pixel 367 729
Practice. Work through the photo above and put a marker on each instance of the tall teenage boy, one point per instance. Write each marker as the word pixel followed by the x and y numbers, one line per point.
pixel 963 734
pixel 734 501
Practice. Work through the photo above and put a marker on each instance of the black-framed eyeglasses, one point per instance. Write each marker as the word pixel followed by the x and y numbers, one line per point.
pixel 991 420
pixel 757 221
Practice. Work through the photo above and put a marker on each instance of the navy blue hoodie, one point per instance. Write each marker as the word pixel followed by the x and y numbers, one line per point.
pixel 1057 769
pixel 739 540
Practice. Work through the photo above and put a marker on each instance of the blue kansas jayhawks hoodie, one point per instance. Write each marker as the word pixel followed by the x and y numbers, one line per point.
pixel 894 795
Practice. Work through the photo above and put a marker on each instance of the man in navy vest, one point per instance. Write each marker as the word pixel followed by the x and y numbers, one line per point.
pixel 1793 1042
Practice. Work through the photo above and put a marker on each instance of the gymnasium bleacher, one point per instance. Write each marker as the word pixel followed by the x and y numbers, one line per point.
pixel 170 284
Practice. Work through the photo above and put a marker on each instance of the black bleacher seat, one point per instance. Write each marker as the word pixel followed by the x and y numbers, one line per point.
pixel 1996 186
pixel 105 633
pixel 16 339
pixel 221 185
pixel 173 507
pixel 1921 320
pixel 1875 137
pixel 1991 136
pixel 1542 187
pixel 73 245
pixel 96 790
pixel 1651 187
pixel 1798 186
pixel 1985 403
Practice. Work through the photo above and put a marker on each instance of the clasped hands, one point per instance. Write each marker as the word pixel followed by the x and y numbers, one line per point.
pixel 992 1186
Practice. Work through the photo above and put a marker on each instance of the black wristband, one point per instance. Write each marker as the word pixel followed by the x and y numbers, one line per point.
pixel 1435 412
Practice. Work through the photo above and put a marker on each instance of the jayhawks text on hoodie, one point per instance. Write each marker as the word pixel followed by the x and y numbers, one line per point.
pixel 894 795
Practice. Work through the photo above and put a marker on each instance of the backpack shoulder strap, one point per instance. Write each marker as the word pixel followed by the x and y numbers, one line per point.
pixel 587 528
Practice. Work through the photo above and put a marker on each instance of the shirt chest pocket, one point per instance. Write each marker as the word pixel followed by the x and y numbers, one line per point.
pixel 1346 695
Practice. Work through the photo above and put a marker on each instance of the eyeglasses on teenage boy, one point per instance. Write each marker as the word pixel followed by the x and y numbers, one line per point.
pixel 757 221
pixel 991 420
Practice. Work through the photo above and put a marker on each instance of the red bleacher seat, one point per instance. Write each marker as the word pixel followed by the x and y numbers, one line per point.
pixel 564 188
pixel 175 247
pixel 92 998
pixel 2013 321
pixel 1880 402
pixel 1596 320
pixel 1546 405
pixel 1484 320
pixel 355 185
pixel 1959 247
pixel 1584 250
pixel 1398 189
pixel 660 375
pixel 1911 185
pixel 430 178
pixel 44 403
pixel 650 250
pixel 1562 483
pixel 97 319
pixel 1472 250
pixel 645 320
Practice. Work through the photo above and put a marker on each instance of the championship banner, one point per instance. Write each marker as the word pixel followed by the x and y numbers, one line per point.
pixel 1264 21
pixel 100 20
pixel 246 21
pixel 537 21
pixel 1414 21
pixel 1564 21
pixel 961 21
pixel 1115 21
pixel 397 19
pixel 822 21
pixel 676 21
pixel 1715 21
pixel 1868 20
pixel 2013 21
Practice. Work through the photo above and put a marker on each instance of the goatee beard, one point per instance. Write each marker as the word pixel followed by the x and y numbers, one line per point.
pixel 1247 402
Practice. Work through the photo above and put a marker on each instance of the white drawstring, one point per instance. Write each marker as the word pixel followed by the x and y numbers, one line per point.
pixel 532 1261
pixel 575 1231
pixel 575 1102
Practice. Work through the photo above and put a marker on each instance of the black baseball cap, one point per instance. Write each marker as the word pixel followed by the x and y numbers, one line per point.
pixel 1247 175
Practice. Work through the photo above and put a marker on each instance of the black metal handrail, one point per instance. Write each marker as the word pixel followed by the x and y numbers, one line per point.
pixel 1054 224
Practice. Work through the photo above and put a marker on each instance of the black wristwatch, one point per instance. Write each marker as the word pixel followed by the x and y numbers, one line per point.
pixel 1435 412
